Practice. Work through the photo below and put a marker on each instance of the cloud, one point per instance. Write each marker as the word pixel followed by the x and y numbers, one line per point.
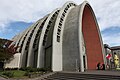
pixel 112 41
pixel 106 11
pixel 111 36
pixel 13 29
pixel 25 10
pixel 31 10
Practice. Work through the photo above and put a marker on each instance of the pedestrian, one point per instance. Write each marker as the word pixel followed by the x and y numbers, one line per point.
pixel 103 67
pixel 98 66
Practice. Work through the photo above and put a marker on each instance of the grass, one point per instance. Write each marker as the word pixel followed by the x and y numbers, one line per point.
pixel 117 68
pixel 16 73
pixel 26 72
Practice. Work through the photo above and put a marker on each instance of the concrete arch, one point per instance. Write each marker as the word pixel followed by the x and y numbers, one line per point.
pixel 93 42
pixel 70 47
pixel 57 46
pixel 18 41
pixel 22 39
pixel 15 40
pixel 40 61
pixel 30 52
pixel 24 53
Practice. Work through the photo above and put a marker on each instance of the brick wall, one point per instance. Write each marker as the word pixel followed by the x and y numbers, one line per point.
pixel 92 39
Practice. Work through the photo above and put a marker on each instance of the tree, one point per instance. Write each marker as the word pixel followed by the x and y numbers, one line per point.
pixel 5 52
pixel 5 55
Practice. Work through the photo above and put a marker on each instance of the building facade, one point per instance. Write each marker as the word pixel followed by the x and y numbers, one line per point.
pixel 112 56
pixel 116 56
pixel 67 39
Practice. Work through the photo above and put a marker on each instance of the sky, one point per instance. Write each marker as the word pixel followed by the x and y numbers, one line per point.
pixel 17 15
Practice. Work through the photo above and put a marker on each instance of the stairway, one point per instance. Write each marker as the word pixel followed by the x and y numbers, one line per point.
pixel 81 76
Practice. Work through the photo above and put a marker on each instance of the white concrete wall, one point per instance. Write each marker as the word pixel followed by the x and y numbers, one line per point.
pixel 57 46
pixel 14 63
pixel 41 51
pixel 30 51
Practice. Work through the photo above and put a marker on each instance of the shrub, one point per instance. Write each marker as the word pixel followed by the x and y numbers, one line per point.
pixel 14 68
pixel 41 69
pixel 28 69
pixel 8 74
pixel 7 68
pixel 26 74
pixel 23 69
pixel 11 69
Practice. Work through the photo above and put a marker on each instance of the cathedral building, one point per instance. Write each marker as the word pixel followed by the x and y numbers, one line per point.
pixel 67 39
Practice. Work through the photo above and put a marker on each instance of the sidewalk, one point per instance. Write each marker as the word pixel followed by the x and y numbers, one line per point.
pixel 1 78
pixel 94 72
pixel 103 72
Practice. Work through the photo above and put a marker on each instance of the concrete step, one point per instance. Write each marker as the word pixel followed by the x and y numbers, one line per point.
pixel 77 76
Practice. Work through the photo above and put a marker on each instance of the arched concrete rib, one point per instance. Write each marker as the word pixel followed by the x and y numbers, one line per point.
pixel 83 28
pixel 14 41
pixel 18 41
pixel 30 52
pixel 23 52
pixel 70 49
pixel 22 39
pixel 40 61
pixel 57 46
pixel 80 34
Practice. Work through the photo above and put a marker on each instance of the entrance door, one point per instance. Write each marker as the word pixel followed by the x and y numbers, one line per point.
pixel 84 62
pixel 48 57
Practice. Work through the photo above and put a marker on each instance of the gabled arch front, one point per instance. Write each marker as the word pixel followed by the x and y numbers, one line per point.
pixel 92 38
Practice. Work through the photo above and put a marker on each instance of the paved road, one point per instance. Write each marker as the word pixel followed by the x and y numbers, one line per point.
pixel 2 78
pixel 116 73
pixel 99 72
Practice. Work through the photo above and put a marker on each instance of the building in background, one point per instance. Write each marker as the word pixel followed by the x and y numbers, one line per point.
pixel 108 58
pixel 67 39
pixel 112 56
pixel 116 55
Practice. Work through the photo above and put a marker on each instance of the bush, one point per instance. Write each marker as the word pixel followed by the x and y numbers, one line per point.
pixel 28 69
pixel 11 69
pixel 14 68
pixel 23 69
pixel 32 70
pixel 7 68
pixel 26 74
pixel 8 74
pixel 41 69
